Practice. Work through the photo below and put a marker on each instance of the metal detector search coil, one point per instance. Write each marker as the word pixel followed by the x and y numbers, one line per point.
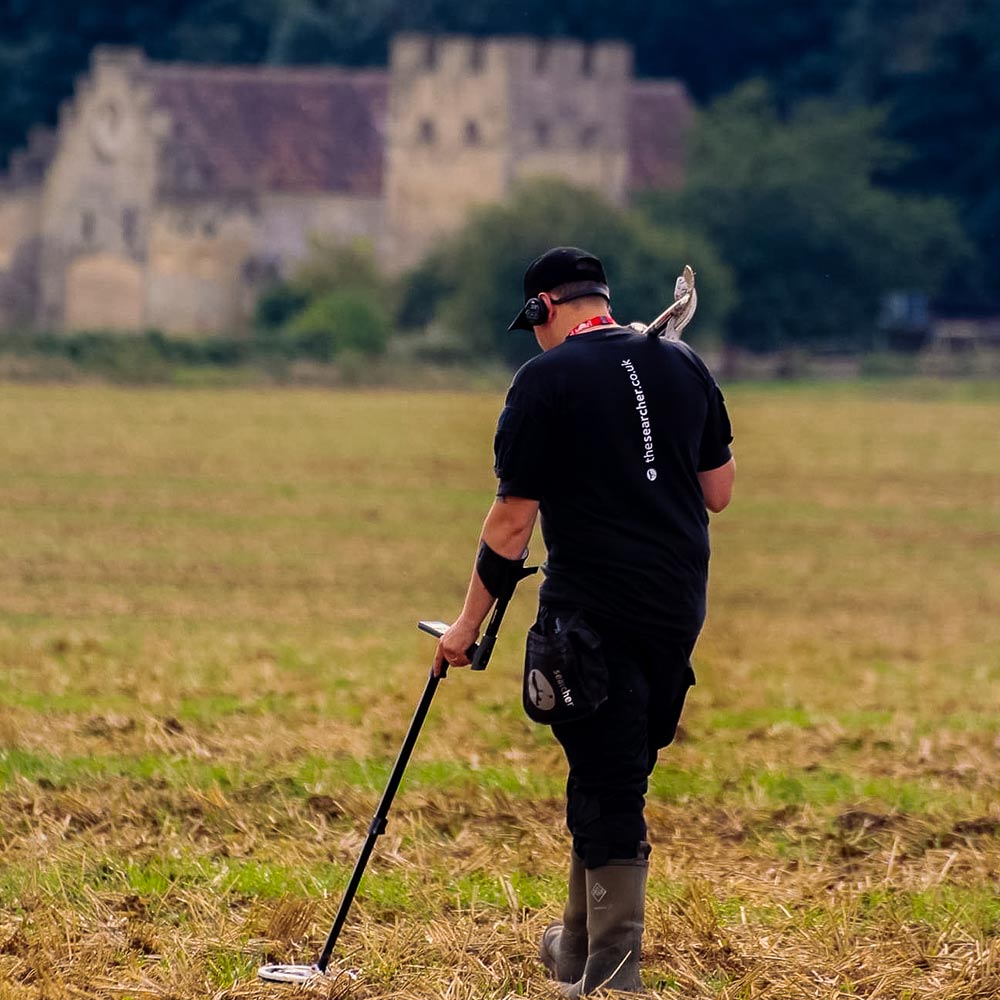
pixel 296 973
pixel 288 973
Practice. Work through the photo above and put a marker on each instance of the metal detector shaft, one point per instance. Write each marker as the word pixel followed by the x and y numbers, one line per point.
pixel 479 655
pixel 484 650
pixel 378 824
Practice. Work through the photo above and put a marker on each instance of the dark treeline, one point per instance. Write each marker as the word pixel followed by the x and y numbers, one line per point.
pixel 932 68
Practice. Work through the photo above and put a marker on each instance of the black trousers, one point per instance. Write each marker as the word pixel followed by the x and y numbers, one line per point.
pixel 612 752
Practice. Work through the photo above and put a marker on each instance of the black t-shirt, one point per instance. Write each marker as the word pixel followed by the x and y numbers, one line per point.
pixel 609 431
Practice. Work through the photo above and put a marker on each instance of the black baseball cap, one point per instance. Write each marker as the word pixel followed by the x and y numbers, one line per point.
pixel 560 266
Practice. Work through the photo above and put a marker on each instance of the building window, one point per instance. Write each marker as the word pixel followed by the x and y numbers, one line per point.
pixel 473 137
pixel 426 131
pixel 477 57
pixel 209 229
pixel 587 63
pixel 88 227
pixel 130 227
pixel 431 55
pixel 588 136
pixel 542 52
pixel 543 133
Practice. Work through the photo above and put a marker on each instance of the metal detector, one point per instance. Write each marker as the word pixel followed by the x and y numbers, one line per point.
pixel 479 654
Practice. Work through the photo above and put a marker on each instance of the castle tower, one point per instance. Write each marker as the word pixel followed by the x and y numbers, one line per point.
pixel 469 117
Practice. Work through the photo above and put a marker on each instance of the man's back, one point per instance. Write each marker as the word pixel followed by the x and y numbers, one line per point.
pixel 609 431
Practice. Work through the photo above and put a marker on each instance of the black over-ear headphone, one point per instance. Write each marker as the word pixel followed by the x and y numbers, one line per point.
pixel 536 312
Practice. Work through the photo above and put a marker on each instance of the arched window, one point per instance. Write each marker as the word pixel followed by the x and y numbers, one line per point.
pixel 88 227
pixel 426 131
pixel 587 63
pixel 542 52
pixel 588 136
pixel 543 132
pixel 473 137
pixel 477 56
pixel 431 54
pixel 130 226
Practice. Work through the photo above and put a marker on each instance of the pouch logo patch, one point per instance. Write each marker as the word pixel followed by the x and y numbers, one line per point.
pixel 540 692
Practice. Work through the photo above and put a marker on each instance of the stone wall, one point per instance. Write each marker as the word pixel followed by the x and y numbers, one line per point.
pixel 569 112
pixel 98 199
pixel 288 220
pixel 448 135
pixel 20 214
pixel 163 201
pixel 210 258
pixel 195 273
pixel 469 117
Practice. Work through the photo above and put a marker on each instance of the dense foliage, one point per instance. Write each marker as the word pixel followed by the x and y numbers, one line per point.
pixel 793 207
pixel 472 283
pixel 950 116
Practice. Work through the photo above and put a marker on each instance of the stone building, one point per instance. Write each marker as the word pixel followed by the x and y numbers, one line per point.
pixel 169 194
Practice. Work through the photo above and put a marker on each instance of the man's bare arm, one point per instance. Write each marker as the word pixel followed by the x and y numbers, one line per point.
pixel 717 486
pixel 506 531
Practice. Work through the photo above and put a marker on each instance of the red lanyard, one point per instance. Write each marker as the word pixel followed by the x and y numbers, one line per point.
pixel 589 324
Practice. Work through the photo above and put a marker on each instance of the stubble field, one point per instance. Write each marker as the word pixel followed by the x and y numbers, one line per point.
pixel 209 657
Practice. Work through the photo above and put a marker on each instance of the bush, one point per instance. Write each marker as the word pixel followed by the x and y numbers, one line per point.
pixel 336 322
pixel 336 300
pixel 146 357
pixel 278 305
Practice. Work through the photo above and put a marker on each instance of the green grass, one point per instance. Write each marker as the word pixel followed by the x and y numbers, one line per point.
pixel 208 602
pixel 737 786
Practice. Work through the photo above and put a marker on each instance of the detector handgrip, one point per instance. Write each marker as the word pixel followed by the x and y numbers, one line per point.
pixel 479 653
pixel 438 629
pixel 484 650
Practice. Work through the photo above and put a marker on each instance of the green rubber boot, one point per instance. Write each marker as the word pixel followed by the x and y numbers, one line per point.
pixel 616 897
pixel 563 950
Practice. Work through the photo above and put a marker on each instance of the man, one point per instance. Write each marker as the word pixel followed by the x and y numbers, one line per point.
pixel 622 441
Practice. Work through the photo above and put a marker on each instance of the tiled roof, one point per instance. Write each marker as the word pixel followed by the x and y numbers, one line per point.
pixel 263 128
pixel 247 129
pixel 660 113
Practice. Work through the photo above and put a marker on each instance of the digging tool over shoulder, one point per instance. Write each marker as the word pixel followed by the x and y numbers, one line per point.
pixel 671 322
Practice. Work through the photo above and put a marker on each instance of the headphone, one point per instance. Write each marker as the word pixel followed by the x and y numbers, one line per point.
pixel 536 312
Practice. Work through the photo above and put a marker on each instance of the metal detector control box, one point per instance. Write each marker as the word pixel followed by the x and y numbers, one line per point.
pixel 437 629
pixel 478 652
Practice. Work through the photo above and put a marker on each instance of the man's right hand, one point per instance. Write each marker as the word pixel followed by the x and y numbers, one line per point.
pixel 453 646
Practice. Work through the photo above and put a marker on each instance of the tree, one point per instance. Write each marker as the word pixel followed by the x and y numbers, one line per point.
pixel 795 210
pixel 45 45
pixel 335 300
pixel 475 277
pixel 949 113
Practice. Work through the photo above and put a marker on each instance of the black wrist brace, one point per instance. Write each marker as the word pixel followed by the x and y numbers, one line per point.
pixel 499 575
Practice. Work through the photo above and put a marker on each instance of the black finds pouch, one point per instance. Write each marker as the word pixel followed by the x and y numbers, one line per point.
pixel 565 676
